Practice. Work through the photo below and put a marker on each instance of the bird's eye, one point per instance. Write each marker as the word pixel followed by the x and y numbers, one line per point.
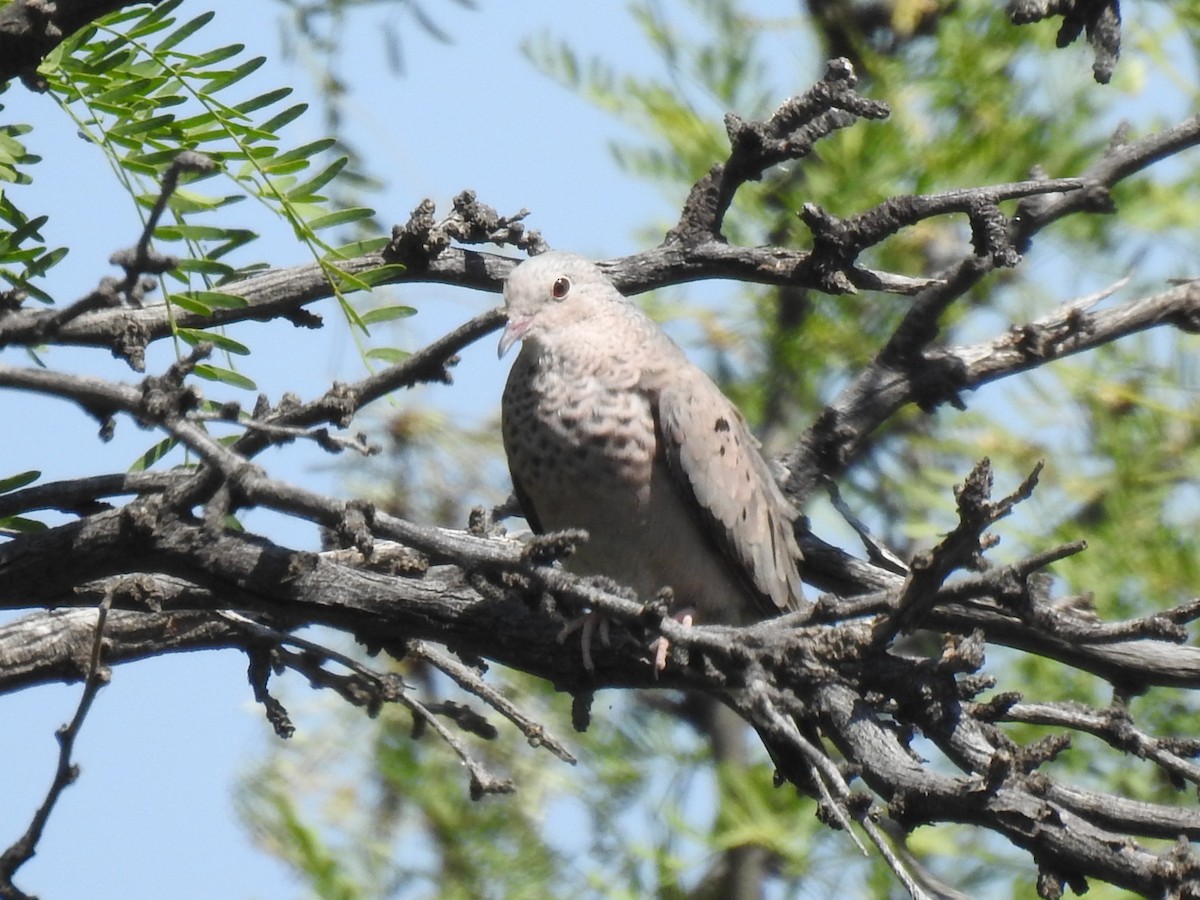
pixel 561 288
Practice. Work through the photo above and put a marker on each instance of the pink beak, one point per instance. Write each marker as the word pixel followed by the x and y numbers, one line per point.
pixel 513 332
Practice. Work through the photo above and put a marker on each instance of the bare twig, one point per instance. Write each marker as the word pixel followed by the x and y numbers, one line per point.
pixel 1114 726
pixel 962 548
pixel 143 259
pixel 1101 21
pixel 469 681
pixel 284 433
pixel 23 849
pixel 790 133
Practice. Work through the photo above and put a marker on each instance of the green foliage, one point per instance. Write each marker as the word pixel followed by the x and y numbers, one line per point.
pixel 617 825
pixel 154 454
pixel 648 811
pixel 19 524
pixel 14 154
pixel 224 376
pixel 23 254
pixel 977 102
pixel 971 106
pixel 141 86
pixel 17 229
pixel 18 481
pixel 135 90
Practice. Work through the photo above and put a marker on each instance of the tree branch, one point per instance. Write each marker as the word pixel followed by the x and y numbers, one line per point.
pixel 177 578
pixel 30 29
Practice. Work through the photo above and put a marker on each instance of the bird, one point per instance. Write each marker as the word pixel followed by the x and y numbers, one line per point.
pixel 609 428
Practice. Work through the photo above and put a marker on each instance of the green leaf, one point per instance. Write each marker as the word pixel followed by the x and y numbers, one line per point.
pixel 346 281
pixel 37 293
pixel 183 32
pixel 12 482
pixel 140 126
pixel 164 98
pixel 205 267
pixel 185 201
pixel 47 260
pixel 212 57
pixel 186 232
pixel 20 525
pixel 267 99
pixel 204 302
pixel 189 304
pixel 305 151
pixel 307 189
pixel 225 376
pixel 148 18
pixel 340 217
pixel 273 125
pixel 26 230
pixel 380 275
pixel 276 169
pixel 99 67
pixel 387 314
pixel 233 76
pixel 153 455
pixel 220 299
pixel 196 336
pixel 234 238
pixel 191 124
pixel 132 87
pixel 153 161
pixel 389 355
pixel 359 248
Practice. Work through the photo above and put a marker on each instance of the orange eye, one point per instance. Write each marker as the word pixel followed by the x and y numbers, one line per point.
pixel 561 288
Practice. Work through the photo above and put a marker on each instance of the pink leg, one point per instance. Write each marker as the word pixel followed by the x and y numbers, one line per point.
pixel 587 625
pixel 661 645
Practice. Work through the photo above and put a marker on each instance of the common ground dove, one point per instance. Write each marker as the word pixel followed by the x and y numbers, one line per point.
pixel 609 428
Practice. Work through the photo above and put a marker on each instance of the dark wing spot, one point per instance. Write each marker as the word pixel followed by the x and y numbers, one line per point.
pixel 722 424
pixel 722 450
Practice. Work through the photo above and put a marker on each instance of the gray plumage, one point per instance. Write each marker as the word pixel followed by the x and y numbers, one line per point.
pixel 609 428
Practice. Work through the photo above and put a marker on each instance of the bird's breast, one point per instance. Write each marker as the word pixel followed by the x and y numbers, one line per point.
pixel 574 435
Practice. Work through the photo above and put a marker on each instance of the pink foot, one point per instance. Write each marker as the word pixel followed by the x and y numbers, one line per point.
pixel 661 645
pixel 587 625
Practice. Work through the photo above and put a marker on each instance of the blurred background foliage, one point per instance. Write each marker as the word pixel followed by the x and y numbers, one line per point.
pixel 669 799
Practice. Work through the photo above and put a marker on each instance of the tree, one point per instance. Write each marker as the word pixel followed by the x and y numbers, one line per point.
pixel 889 667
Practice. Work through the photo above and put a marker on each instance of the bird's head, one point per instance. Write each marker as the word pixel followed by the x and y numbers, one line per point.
pixel 551 291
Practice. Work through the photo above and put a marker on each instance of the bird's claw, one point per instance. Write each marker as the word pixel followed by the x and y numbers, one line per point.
pixel 661 646
pixel 587 625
